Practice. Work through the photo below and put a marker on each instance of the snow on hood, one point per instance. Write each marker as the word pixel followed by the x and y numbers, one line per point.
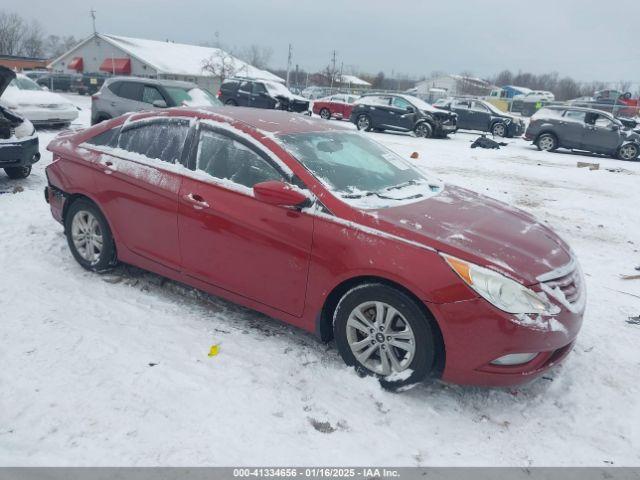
pixel 33 97
pixel 480 229
pixel 6 75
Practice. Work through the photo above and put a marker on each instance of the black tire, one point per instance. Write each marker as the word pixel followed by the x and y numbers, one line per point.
pixel 231 103
pixel 325 114
pixel 422 363
pixel 18 173
pixel 107 257
pixel 628 152
pixel 423 130
pixel 499 129
pixel 363 122
pixel 541 142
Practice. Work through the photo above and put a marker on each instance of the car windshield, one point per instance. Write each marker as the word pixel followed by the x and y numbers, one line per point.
pixel 25 83
pixel 358 170
pixel 192 97
pixel 277 89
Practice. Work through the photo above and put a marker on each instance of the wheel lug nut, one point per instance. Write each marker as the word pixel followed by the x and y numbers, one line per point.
pixel 373 342
pixel 388 339
pixel 383 347
pixel 381 328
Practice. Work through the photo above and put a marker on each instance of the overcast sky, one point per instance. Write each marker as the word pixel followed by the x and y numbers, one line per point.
pixel 586 39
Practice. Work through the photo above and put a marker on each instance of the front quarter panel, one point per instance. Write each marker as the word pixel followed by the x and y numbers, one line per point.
pixel 343 250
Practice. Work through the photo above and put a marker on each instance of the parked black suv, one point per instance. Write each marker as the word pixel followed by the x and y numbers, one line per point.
pixel 261 94
pixel 402 113
pixel 476 114
pixel 582 129
pixel 60 82
pixel 88 83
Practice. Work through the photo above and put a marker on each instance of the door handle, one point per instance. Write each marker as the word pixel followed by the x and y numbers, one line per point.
pixel 109 167
pixel 196 201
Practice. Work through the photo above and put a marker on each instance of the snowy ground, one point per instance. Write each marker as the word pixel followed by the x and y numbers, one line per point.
pixel 113 370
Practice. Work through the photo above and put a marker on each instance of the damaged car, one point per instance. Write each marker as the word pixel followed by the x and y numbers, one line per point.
pixel 242 92
pixel 19 147
pixel 583 129
pixel 317 225
pixel 402 113
pixel 474 114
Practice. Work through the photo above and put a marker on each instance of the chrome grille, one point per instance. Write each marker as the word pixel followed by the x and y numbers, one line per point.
pixel 570 285
pixel 566 285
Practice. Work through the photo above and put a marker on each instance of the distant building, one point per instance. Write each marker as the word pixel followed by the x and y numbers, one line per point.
pixel 23 63
pixel 353 82
pixel 453 85
pixel 153 59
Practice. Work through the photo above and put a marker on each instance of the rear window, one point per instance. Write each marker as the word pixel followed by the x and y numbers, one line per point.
pixel 162 140
pixel 108 138
pixel 229 85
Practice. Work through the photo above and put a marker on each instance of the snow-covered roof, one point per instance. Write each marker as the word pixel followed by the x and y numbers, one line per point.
pixel 179 58
pixel 353 80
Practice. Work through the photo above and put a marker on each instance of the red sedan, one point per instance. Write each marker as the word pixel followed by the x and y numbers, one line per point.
pixel 325 229
pixel 335 106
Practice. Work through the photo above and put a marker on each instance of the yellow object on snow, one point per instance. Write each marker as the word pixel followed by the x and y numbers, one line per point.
pixel 214 350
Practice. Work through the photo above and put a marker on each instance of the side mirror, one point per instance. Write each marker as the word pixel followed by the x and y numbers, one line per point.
pixel 410 110
pixel 615 127
pixel 280 193
pixel 159 104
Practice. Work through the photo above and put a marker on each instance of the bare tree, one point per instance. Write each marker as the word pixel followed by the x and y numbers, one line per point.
pixel 33 40
pixel 11 33
pixel 256 55
pixel 221 65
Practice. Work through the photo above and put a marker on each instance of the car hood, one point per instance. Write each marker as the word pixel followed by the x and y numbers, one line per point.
pixel 481 230
pixel 33 97
pixel 6 75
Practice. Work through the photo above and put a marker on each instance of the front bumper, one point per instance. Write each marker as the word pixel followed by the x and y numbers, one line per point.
pixel 19 153
pixel 475 334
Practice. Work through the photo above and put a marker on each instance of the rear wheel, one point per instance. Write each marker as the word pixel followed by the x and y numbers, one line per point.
pixel 363 122
pixel 17 173
pixel 231 103
pixel 325 114
pixel 628 152
pixel 89 236
pixel 383 332
pixel 499 130
pixel 547 142
pixel 423 130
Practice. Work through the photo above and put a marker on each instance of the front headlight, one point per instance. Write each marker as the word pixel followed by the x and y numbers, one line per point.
pixel 500 291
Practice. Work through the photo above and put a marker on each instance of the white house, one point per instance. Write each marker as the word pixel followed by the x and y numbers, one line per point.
pixel 152 59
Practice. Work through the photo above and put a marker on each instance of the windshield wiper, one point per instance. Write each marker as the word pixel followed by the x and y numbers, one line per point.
pixel 400 185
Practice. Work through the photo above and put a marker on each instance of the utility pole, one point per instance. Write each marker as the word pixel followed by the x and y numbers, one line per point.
pixel 92 12
pixel 333 70
pixel 297 78
pixel 340 77
pixel 289 65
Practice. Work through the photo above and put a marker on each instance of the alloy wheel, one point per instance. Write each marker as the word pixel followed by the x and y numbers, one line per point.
pixel 499 130
pixel 87 236
pixel 363 122
pixel 325 114
pixel 546 143
pixel 380 338
pixel 628 152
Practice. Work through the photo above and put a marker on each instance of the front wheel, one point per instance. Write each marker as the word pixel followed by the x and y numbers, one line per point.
pixel 499 130
pixel 363 122
pixel 89 236
pixel 17 173
pixel 423 130
pixel 383 332
pixel 325 114
pixel 628 152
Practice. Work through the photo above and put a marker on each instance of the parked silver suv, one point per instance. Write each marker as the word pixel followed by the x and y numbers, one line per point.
pixel 584 129
pixel 120 95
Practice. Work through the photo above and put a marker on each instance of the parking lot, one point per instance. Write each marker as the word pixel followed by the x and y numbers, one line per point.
pixel 116 368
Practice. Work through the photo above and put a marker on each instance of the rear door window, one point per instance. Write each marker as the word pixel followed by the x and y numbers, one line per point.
pixel 151 94
pixel 575 115
pixel 131 91
pixel 162 139
pixel 105 139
